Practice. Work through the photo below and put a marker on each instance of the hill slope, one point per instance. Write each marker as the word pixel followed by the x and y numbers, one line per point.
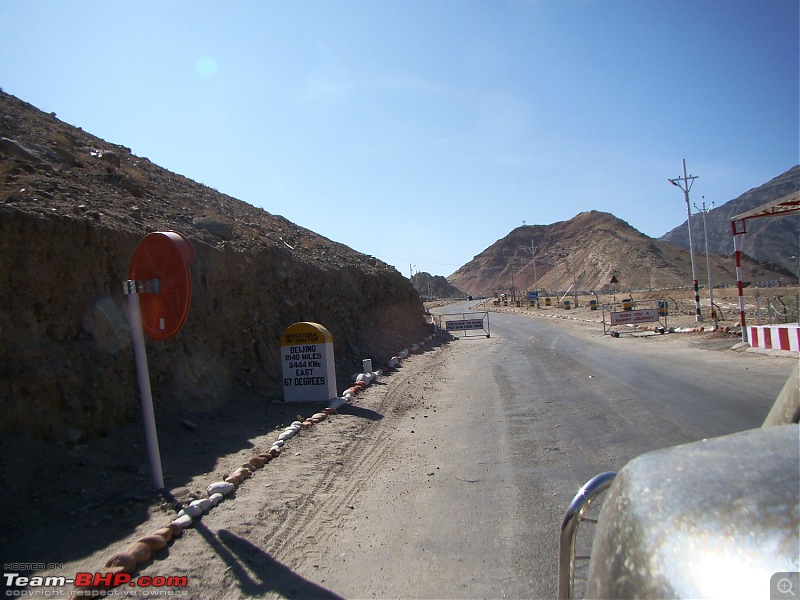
pixel 773 240
pixel 72 209
pixel 434 286
pixel 587 251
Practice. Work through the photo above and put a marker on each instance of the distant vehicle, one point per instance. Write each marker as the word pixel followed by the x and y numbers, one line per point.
pixel 469 298
pixel 715 518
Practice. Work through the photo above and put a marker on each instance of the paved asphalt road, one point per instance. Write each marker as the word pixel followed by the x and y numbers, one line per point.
pixel 514 425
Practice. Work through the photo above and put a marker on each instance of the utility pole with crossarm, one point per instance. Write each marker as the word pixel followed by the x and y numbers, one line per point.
pixel 686 184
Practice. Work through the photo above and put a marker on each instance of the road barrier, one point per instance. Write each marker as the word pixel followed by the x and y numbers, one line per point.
pixel 775 337
pixel 464 323
pixel 633 313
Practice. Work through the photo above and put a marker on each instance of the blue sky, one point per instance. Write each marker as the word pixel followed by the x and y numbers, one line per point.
pixel 421 132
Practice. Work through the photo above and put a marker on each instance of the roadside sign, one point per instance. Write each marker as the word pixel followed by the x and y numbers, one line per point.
pixel 465 322
pixel 632 315
pixel 158 290
pixel 463 325
pixel 163 256
pixel 628 317
pixel 309 372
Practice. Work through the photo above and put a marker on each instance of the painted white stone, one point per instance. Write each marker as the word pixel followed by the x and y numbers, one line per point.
pixel 221 487
pixel 191 510
pixel 182 522
pixel 204 504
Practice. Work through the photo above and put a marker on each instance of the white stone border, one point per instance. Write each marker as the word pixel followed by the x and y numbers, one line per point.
pixel 142 549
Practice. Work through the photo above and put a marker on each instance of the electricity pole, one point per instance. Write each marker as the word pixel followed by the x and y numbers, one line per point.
pixel 574 281
pixel 708 260
pixel 686 185
pixel 535 277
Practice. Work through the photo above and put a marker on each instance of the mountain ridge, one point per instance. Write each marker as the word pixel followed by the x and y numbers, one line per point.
pixel 586 252
pixel 773 240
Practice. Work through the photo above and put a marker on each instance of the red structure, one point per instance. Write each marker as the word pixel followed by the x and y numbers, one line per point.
pixel 782 206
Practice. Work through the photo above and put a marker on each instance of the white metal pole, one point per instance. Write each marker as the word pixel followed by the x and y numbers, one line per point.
pixel 151 435
pixel 535 278
pixel 566 294
pixel 574 281
pixel 555 268
pixel 708 262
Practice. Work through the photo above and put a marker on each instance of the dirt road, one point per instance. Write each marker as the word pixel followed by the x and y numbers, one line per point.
pixel 317 522
pixel 276 525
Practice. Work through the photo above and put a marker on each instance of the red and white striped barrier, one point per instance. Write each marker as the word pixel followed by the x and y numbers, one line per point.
pixel 775 337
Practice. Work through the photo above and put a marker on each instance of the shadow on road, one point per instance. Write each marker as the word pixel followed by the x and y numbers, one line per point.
pixel 257 572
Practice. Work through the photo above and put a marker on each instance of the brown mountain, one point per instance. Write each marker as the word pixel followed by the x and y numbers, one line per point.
pixel 73 208
pixel 774 240
pixel 587 251
pixel 434 286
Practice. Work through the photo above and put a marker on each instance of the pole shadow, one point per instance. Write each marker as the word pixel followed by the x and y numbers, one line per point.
pixel 359 411
pixel 257 572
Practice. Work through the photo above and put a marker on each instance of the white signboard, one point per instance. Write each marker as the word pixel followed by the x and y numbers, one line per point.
pixel 309 373
pixel 463 325
pixel 629 317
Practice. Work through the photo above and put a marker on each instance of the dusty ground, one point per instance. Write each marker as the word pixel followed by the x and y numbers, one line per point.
pixel 681 314
pixel 68 509
pixel 72 507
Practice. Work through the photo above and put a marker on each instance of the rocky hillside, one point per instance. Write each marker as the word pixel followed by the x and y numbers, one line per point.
pixel 73 207
pixel 435 286
pixel 775 239
pixel 587 251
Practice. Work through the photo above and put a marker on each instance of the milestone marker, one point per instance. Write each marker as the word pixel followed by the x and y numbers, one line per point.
pixel 309 373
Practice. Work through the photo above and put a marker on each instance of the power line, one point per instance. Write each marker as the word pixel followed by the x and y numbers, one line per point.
pixel 414 260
